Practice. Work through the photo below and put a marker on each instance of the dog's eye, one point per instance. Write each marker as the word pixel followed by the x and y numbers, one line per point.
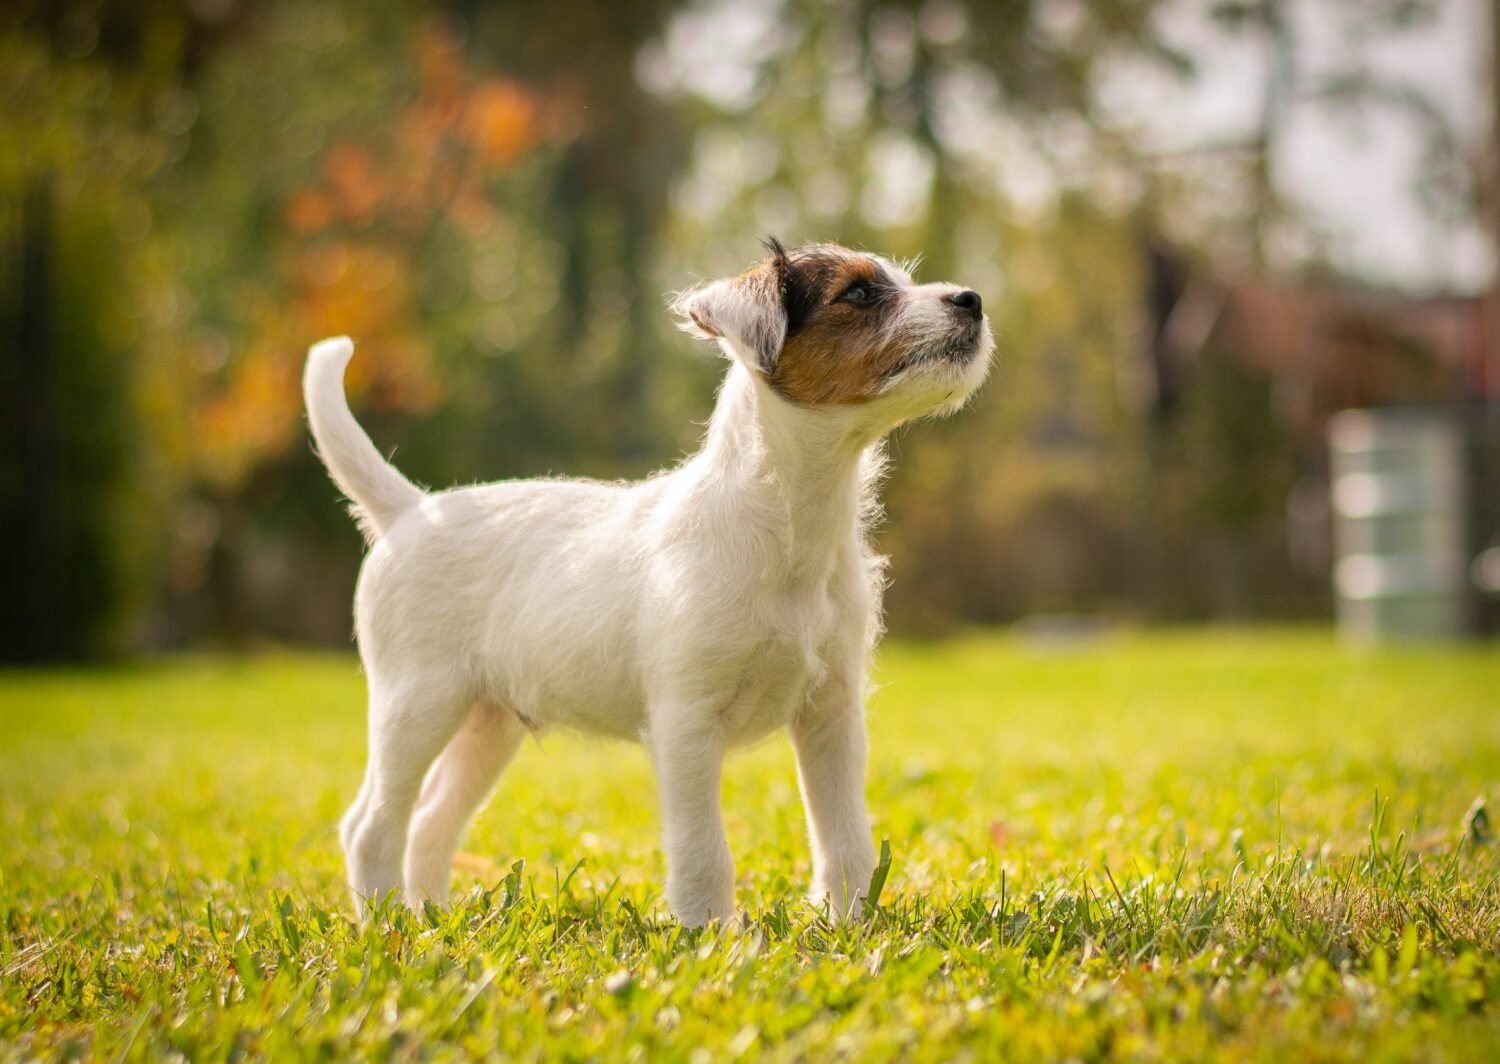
pixel 858 293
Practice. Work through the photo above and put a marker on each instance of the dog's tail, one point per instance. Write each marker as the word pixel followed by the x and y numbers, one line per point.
pixel 377 490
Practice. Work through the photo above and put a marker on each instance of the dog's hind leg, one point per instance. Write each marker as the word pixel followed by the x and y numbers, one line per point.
pixel 458 783
pixel 410 723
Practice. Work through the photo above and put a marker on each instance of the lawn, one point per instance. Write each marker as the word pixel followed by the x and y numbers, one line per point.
pixel 1198 846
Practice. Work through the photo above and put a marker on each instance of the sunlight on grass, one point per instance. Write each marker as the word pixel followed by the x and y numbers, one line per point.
pixel 1200 845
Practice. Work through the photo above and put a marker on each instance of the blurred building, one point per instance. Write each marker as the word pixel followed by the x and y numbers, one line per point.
pixel 1323 347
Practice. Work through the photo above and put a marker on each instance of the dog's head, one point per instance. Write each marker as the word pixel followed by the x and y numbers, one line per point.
pixel 827 327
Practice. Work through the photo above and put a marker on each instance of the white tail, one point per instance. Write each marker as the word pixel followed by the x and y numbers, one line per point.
pixel 378 491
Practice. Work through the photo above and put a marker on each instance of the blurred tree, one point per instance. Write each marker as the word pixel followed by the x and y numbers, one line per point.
pixel 481 234
pixel 966 133
pixel 607 205
pixel 290 170
pixel 492 202
pixel 344 181
pixel 80 486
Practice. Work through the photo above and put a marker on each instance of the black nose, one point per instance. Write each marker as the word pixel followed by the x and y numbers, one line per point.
pixel 968 300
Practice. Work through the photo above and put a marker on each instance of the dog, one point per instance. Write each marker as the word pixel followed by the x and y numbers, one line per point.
pixel 695 611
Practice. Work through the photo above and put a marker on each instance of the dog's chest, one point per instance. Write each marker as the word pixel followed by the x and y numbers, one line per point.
pixel 785 661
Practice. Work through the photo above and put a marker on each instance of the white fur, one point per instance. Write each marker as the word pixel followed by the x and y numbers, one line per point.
pixel 755 328
pixel 695 611
pixel 382 494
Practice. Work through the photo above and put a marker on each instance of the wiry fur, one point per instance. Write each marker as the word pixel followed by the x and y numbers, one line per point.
pixel 694 611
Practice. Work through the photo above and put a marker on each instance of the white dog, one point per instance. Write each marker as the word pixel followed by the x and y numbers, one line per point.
pixel 694 611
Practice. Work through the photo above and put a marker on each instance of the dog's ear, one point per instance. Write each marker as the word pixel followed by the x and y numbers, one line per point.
pixel 745 314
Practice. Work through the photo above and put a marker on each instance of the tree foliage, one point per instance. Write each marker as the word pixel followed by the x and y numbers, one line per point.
pixel 493 203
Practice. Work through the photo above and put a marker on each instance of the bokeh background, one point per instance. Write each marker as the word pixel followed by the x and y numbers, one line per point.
pixel 1202 228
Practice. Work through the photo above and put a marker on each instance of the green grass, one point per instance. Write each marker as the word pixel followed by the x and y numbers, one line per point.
pixel 1194 846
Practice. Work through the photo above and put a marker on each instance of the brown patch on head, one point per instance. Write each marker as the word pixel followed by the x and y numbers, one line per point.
pixel 838 350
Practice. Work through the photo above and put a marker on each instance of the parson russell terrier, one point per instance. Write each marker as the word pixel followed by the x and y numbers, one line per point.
pixel 695 611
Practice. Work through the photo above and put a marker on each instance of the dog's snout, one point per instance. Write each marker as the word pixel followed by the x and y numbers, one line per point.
pixel 968 301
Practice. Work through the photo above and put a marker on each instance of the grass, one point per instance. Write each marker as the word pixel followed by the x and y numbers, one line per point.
pixel 1196 846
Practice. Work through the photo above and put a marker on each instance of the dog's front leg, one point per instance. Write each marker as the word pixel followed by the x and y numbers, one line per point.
pixel 829 740
pixel 689 756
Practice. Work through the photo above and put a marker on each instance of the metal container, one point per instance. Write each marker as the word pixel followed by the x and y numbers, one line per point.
pixel 1399 524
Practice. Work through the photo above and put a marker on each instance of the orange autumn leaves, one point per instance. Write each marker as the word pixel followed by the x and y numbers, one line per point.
pixel 345 258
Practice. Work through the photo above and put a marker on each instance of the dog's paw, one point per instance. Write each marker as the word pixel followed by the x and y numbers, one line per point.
pixel 838 905
pixel 700 887
pixel 700 912
pixel 696 903
pixel 841 897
